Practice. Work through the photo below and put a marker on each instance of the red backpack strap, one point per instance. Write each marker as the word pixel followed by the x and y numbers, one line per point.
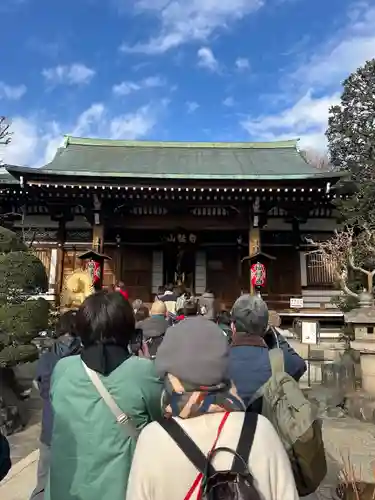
pixel 190 449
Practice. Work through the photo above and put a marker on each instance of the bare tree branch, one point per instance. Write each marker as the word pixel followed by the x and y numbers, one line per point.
pixel 317 159
pixel 5 133
pixel 337 252
pixel 347 250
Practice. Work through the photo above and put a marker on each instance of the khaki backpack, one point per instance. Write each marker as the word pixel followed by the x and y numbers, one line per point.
pixel 297 424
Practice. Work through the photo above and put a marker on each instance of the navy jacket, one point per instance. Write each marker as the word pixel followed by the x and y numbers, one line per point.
pixel 63 347
pixel 5 462
pixel 249 366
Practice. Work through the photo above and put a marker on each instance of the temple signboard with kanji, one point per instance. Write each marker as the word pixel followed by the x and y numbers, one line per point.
pixel 198 214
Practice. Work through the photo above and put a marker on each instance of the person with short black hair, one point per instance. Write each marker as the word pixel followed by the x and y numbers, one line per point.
pixel 67 344
pixel 91 450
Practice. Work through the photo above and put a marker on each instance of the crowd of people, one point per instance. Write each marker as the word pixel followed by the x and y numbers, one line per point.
pixel 179 400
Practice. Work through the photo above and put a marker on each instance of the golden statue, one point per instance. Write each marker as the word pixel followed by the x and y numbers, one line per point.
pixel 77 286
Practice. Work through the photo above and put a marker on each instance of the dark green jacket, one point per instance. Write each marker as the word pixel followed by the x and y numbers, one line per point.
pixel 91 453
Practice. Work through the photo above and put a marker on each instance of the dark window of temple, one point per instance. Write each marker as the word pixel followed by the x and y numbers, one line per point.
pixel 319 270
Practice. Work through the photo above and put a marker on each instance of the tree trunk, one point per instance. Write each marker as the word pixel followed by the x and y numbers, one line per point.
pixel 370 279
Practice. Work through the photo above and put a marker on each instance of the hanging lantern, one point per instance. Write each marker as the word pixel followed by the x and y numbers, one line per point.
pixel 94 265
pixel 258 275
pixel 94 269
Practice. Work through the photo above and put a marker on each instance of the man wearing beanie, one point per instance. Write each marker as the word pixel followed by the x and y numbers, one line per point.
pixel 198 396
pixel 249 365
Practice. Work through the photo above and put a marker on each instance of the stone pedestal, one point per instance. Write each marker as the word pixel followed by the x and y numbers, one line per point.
pixel 362 321
pixel 367 352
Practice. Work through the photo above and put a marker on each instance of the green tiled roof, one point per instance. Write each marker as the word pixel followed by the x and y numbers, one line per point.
pixel 181 160
pixel 6 177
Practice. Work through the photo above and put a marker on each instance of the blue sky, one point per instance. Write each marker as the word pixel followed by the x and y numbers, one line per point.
pixel 199 70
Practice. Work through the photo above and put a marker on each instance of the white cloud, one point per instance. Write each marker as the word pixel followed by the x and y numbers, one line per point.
pixel 343 53
pixel 73 74
pixel 35 140
pixel 306 119
pixel 206 59
pixel 183 21
pixel 128 87
pixel 317 83
pixel 133 125
pixel 192 107
pixel 242 63
pixel 229 102
pixel 13 93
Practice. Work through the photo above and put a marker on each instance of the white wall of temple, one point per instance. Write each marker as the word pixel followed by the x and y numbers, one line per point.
pixel 200 272
pixel 157 270
pixel 52 279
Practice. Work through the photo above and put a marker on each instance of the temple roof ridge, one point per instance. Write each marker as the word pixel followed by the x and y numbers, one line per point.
pixel 86 141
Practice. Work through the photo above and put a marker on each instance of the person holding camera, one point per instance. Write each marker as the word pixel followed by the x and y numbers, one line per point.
pixel 249 365
pixel 101 399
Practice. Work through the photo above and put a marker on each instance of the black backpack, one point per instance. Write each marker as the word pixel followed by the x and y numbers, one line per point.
pixel 234 484
pixel 153 344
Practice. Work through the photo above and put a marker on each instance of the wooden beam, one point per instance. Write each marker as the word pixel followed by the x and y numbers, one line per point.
pixel 98 237
pixel 189 223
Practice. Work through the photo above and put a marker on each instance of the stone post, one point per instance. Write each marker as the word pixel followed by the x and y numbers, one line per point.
pixel 362 320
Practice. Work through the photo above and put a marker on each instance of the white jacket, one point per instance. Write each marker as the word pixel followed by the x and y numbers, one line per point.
pixel 161 471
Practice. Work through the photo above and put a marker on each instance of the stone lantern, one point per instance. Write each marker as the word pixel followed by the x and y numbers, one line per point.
pixel 362 320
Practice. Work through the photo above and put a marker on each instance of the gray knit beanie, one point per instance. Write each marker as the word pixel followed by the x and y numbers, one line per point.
pixel 250 315
pixel 195 351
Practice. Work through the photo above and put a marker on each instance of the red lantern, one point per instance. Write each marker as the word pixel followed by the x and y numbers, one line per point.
pixel 258 275
pixel 94 269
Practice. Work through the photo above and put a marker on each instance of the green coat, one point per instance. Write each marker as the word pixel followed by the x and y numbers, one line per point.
pixel 91 453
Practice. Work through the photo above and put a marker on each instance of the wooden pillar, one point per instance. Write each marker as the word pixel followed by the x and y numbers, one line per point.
pixel 98 237
pixel 98 226
pixel 254 234
pixel 60 258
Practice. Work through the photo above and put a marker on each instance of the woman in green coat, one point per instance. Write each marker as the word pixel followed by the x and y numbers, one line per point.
pixel 91 451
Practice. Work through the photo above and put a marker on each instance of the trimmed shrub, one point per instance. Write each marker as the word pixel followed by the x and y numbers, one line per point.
pixel 22 271
pixel 10 242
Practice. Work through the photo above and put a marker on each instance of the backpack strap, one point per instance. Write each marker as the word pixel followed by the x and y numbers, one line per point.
pixel 276 357
pixel 187 445
pixel 121 417
pixel 245 442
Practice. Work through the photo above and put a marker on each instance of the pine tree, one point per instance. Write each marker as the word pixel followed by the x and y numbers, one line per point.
pixel 351 144
pixel 351 126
